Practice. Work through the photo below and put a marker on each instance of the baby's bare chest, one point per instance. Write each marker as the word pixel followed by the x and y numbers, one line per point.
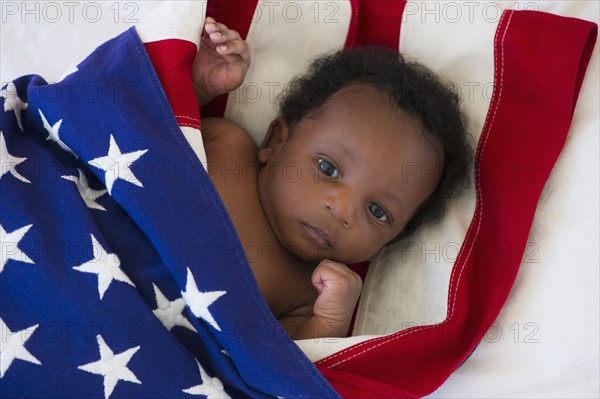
pixel 283 279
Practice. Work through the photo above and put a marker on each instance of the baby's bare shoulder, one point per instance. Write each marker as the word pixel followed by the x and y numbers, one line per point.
pixel 231 154
pixel 225 131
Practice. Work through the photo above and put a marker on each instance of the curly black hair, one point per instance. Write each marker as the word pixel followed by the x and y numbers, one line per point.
pixel 411 87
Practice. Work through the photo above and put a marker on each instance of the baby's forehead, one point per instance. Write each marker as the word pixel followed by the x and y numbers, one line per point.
pixel 357 94
pixel 357 97
pixel 373 103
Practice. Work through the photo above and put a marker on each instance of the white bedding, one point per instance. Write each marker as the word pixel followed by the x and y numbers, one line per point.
pixel 545 343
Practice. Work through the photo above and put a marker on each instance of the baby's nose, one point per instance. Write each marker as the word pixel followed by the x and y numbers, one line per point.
pixel 341 207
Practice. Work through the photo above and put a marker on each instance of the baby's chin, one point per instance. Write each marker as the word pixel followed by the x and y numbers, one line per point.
pixel 309 254
pixel 314 255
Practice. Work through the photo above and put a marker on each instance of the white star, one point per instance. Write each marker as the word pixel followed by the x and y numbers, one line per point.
pixel 112 367
pixel 200 301
pixel 211 387
pixel 12 102
pixel 9 246
pixel 53 133
pixel 8 163
pixel 169 312
pixel 12 346
pixel 116 165
pixel 106 266
pixel 88 195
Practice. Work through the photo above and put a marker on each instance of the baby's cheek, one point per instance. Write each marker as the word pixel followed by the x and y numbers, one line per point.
pixel 359 248
pixel 378 241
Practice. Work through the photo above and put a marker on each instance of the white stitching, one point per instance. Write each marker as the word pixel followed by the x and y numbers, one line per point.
pixel 195 123
pixel 187 117
pixel 488 124
pixel 190 125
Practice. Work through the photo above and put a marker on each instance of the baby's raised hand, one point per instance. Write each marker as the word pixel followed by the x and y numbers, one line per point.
pixel 221 62
pixel 339 289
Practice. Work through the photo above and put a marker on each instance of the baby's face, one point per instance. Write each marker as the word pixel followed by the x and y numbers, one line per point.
pixel 347 179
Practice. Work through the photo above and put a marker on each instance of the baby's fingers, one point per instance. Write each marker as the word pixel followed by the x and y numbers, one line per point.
pixel 219 33
pixel 235 51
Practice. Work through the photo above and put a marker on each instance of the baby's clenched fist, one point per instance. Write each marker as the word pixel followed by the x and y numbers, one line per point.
pixel 339 289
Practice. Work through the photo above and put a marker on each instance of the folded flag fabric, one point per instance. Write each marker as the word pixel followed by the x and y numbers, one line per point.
pixel 121 273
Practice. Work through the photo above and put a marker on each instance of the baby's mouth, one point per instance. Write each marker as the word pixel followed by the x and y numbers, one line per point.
pixel 318 236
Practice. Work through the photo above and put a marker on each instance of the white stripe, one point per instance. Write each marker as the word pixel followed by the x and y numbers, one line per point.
pixel 320 348
pixel 284 37
pixel 174 20
pixel 194 138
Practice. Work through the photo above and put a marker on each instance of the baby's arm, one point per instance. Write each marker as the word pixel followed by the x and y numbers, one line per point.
pixel 221 62
pixel 339 289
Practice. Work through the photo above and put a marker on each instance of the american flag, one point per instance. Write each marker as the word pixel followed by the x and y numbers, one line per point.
pixel 121 273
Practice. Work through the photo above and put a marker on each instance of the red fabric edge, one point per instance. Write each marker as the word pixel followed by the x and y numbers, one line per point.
pixel 420 359
pixel 375 22
pixel 173 60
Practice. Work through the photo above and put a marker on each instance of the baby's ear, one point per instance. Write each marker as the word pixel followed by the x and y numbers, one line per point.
pixel 277 135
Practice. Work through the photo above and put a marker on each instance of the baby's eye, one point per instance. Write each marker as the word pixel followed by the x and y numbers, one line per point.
pixel 378 212
pixel 328 168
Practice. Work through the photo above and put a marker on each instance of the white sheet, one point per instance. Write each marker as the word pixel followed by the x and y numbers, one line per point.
pixel 545 342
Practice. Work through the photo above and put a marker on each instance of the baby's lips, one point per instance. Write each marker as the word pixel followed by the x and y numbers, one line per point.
pixel 320 237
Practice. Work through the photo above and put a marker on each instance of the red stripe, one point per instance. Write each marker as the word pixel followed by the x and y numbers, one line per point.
pixel 525 129
pixel 375 22
pixel 173 60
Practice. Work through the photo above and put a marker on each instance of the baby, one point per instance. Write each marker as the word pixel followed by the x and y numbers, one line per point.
pixel 367 148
